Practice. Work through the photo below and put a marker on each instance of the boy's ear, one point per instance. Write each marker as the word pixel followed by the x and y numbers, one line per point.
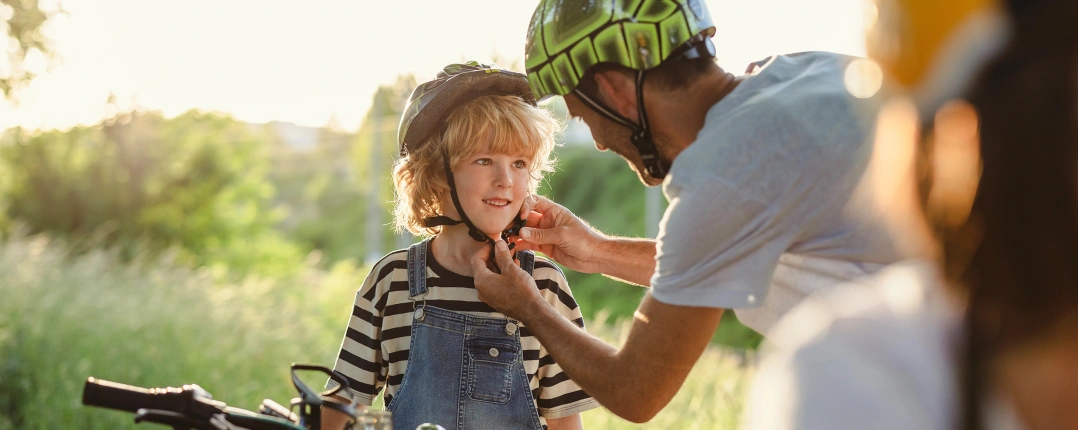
pixel 617 90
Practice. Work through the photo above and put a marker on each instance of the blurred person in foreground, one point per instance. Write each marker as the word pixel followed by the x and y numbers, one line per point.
pixel 981 331
pixel 758 169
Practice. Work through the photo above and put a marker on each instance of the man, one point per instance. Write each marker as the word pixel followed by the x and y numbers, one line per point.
pixel 759 171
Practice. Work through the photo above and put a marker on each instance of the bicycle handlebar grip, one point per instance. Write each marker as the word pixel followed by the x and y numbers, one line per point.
pixel 112 395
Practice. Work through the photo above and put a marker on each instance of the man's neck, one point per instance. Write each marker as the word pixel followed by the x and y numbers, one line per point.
pixel 676 117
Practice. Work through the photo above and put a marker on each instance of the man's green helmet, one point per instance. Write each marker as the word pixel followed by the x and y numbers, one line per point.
pixel 568 37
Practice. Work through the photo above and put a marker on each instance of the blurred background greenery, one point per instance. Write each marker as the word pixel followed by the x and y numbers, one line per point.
pixel 193 246
pixel 162 251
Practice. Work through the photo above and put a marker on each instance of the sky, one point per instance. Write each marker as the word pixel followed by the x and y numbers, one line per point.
pixel 309 61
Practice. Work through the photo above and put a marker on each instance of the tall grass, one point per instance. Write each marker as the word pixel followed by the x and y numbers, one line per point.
pixel 711 397
pixel 152 323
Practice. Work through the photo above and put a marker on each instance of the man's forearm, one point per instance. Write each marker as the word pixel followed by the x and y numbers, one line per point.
pixel 587 360
pixel 628 259
pixel 634 382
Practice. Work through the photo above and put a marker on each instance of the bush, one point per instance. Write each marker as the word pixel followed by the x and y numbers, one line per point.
pixel 149 324
pixel 144 183
pixel 155 324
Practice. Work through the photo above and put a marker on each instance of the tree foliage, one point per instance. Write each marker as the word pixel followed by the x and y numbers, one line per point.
pixel 334 193
pixel 145 183
pixel 21 22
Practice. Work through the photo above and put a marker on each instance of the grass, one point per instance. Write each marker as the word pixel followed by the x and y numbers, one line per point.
pixel 153 323
pixel 711 397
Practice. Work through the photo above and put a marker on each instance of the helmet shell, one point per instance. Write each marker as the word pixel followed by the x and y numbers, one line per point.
pixel 567 37
pixel 431 102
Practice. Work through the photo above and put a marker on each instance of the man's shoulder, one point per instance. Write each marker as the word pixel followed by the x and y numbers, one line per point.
pixel 776 79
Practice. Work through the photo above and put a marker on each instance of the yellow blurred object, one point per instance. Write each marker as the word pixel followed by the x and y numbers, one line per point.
pixel 933 47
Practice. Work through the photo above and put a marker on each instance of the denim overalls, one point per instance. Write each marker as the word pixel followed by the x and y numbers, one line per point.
pixel 464 372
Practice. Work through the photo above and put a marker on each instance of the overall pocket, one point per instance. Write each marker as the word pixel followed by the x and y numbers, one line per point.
pixel 490 363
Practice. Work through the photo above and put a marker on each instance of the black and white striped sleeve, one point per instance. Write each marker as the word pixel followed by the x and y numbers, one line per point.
pixel 360 358
pixel 558 396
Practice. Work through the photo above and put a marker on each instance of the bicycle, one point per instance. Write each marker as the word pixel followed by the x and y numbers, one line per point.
pixel 191 407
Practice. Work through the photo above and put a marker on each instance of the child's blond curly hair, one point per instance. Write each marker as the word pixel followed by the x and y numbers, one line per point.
pixel 507 123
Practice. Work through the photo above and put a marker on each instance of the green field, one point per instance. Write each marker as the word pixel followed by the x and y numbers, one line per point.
pixel 154 323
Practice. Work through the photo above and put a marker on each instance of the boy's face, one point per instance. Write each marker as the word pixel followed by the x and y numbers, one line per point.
pixel 491 188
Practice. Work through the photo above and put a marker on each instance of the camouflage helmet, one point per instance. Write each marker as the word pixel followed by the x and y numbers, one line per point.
pixel 431 102
pixel 568 37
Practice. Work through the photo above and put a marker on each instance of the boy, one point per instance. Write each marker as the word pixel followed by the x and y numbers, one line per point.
pixel 473 148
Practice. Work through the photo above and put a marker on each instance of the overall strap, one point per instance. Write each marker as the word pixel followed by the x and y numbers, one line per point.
pixel 417 269
pixel 527 260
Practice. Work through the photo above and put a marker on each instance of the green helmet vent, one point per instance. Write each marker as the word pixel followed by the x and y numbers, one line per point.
pixel 568 37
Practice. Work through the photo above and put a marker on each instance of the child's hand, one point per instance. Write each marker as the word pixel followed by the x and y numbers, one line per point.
pixel 511 292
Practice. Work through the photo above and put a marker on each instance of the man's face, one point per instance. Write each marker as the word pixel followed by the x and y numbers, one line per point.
pixel 491 188
pixel 610 135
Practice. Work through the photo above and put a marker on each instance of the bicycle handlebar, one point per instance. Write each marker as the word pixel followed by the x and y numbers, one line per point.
pixel 171 405
pixel 189 399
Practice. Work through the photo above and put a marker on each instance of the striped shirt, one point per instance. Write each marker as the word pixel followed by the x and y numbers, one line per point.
pixel 374 352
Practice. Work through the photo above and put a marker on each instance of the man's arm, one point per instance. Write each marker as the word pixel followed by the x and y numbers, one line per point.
pixel 627 259
pixel 571 422
pixel 561 235
pixel 636 381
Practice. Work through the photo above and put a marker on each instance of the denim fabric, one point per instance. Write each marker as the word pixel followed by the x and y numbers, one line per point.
pixel 464 372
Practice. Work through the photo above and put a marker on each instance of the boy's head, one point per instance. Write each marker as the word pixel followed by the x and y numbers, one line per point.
pixel 498 145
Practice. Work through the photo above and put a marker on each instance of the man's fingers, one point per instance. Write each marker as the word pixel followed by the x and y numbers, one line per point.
pixel 502 255
pixel 541 236
pixel 529 203
pixel 479 261
pixel 523 245
pixel 533 219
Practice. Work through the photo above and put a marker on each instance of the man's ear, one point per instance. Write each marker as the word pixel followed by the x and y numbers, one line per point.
pixel 617 90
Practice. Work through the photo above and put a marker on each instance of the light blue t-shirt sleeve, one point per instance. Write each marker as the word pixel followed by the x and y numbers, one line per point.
pixel 770 173
pixel 717 247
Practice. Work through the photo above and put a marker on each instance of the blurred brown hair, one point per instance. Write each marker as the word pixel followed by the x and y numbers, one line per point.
pixel 1021 274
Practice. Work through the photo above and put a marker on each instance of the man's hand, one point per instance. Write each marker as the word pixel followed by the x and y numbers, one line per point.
pixel 511 292
pixel 555 231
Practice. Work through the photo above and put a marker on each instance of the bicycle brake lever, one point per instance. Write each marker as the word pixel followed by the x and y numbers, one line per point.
pixel 177 421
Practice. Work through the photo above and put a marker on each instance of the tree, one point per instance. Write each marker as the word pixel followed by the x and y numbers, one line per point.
pixel 143 183
pixel 24 22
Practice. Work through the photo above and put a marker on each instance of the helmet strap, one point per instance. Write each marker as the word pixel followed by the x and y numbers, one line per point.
pixel 441 220
pixel 473 231
pixel 641 138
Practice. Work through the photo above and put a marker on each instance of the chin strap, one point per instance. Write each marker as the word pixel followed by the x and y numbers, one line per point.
pixel 641 137
pixel 698 47
pixel 473 231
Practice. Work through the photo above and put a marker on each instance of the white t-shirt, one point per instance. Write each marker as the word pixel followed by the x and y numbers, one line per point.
pixel 878 353
pixel 759 212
